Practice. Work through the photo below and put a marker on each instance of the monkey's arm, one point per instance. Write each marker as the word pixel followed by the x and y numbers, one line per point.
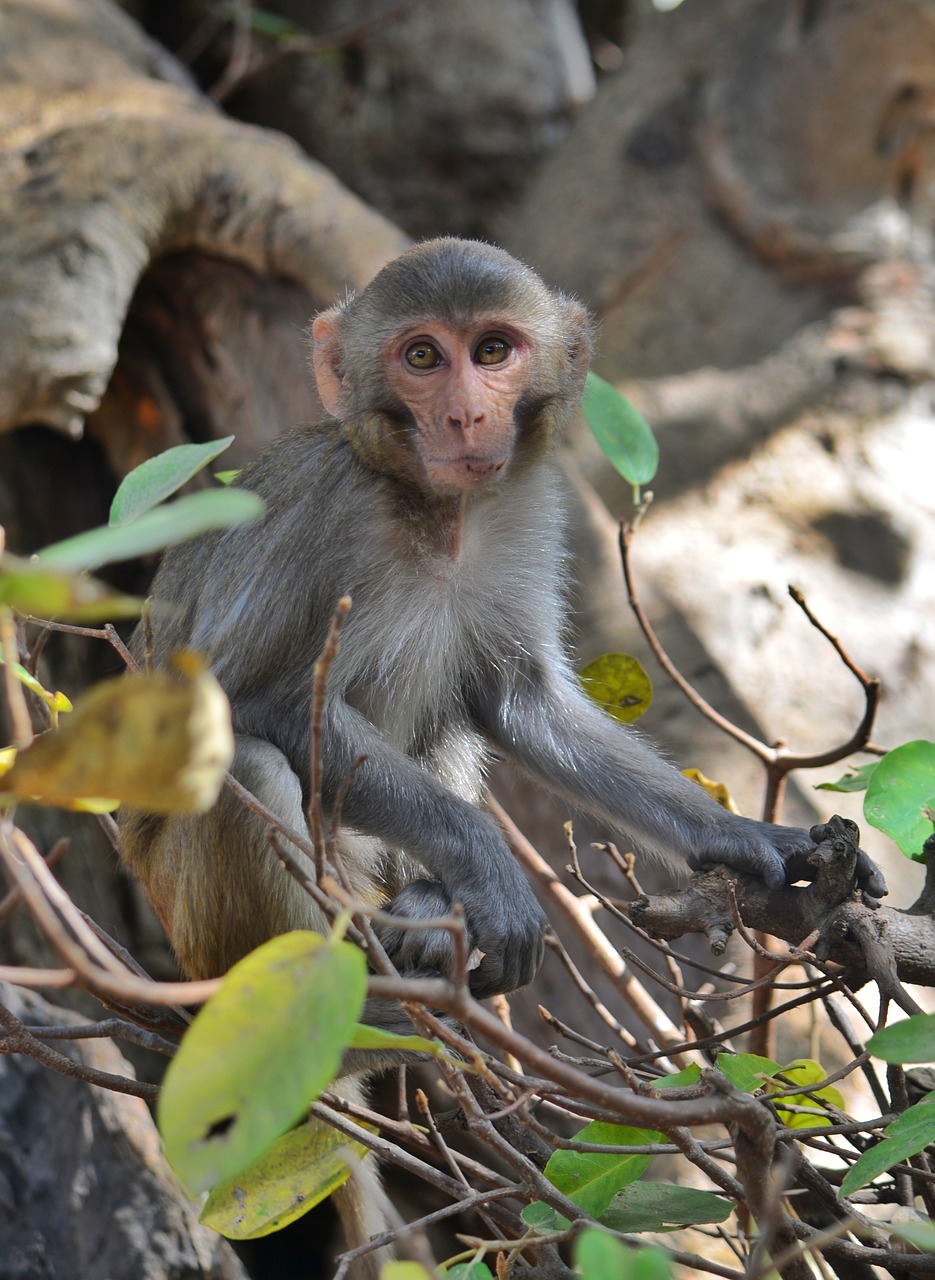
pixel 393 797
pixel 542 718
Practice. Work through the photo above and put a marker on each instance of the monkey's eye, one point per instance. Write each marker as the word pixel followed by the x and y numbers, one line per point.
pixel 492 351
pixel 422 355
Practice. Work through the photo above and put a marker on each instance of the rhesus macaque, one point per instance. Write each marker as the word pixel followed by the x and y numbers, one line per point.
pixel 430 497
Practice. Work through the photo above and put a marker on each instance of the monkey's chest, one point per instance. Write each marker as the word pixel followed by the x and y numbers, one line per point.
pixel 414 656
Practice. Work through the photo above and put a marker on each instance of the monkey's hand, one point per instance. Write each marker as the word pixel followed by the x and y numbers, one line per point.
pixel 507 928
pixel 779 855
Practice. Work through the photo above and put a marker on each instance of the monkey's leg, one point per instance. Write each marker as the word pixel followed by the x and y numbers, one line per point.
pixel 219 890
pixel 213 878
pixel 363 1206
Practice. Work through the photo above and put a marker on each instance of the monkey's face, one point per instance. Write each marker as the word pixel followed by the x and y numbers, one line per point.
pixel 453 369
pixel 460 388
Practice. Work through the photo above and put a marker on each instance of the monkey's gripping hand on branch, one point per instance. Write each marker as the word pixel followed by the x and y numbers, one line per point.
pixel 778 855
pixel 540 714
pixel 513 937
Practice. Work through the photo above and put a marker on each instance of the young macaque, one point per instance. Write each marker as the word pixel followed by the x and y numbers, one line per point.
pixel 430 496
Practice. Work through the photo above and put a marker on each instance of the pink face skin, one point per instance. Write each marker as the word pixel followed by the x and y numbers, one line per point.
pixel 461 387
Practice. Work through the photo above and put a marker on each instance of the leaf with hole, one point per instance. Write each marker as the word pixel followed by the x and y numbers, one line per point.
pixel 258 1053
pixel 619 685
pixel 298 1171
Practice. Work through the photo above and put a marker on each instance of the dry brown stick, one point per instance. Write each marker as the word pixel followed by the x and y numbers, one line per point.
pixel 606 955
pixel 14 897
pixel 316 817
pixel 20 722
pixel 30 873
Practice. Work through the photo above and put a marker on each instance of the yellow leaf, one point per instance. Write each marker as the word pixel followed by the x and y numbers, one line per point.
pixel 7 759
pixel 716 790
pixel 34 588
pixel 805 1071
pixel 619 685
pixel 158 741
pixel 298 1171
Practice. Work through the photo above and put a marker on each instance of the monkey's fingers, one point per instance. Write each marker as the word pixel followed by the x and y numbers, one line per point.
pixel 870 877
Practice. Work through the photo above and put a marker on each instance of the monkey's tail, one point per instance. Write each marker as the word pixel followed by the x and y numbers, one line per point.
pixel 363 1206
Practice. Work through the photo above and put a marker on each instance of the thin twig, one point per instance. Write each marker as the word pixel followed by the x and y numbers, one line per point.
pixel 307 46
pixel 316 818
pixel 20 722
pixel 17 1038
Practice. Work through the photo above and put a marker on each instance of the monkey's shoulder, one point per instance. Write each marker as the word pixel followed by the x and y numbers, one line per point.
pixel 297 455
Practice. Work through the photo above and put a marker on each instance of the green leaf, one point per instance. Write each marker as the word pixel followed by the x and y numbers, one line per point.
pixel 543 1218
pixel 469 1271
pixel 650 1264
pixel 660 1206
pixel 56 701
pixel 619 685
pixel 912 1040
pixel 681 1079
pixel 622 433
pixel 298 1171
pixel 853 780
pixel 227 477
pixel 157 478
pixel 258 1053
pixel 592 1180
pixel 909 1134
pixel 745 1071
pixel 32 588
pixel 163 527
pixel 367 1037
pixel 404 1271
pixel 273 26
pixel 919 1234
pixel 903 783
pixel 598 1256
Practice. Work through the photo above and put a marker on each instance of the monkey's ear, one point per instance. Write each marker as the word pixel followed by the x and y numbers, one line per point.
pixel 328 361
pixel 580 343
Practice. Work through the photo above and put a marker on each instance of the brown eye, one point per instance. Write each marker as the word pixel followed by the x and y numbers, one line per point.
pixel 423 355
pixel 492 351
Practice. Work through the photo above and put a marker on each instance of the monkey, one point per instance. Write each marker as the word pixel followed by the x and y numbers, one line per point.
pixel 429 495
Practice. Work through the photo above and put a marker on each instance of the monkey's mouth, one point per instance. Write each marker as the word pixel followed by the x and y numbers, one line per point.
pixel 469 471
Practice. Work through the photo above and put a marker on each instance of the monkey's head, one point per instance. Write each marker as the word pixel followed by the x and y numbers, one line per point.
pixel 454 367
